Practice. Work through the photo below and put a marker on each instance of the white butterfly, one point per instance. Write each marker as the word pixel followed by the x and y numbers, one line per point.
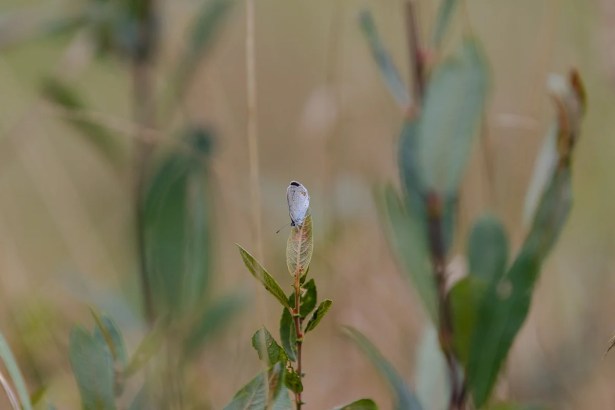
pixel 298 203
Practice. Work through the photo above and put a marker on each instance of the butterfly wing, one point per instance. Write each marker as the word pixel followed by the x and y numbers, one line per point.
pixel 298 202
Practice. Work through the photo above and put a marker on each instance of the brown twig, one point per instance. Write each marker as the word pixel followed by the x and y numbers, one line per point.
pixel 415 54
pixel 299 332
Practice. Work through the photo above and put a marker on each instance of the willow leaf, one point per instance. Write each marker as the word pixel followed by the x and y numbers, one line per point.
pixel 300 247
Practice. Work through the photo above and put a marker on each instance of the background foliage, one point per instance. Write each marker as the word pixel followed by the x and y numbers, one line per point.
pixel 324 119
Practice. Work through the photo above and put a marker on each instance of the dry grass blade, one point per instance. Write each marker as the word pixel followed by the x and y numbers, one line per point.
pixel 299 247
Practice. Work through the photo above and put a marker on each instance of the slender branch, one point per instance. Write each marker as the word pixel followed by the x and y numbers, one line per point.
pixel 415 53
pixel 144 113
pixel 252 127
pixel 299 332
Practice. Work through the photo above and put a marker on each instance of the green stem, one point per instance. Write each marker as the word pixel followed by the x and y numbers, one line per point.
pixel 298 323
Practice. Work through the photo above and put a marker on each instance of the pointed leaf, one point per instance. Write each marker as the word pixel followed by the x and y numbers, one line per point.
pixel 299 247
pixel 263 277
pixel 317 316
pixel 293 381
pixel 451 116
pixel 506 302
pixel 288 335
pixel 92 364
pixel 389 72
pixel 404 398
pixel 363 404
pixel 466 297
pixel 6 355
pixel 487 248
pixel 309 298
pixel 267 348
pixel 177 227
pixel 408 239
pixel 264 391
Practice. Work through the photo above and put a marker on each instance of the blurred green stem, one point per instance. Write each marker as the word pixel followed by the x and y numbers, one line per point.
pixel 144 112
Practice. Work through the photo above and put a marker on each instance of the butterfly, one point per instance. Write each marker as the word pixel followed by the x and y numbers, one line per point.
pixel 298 203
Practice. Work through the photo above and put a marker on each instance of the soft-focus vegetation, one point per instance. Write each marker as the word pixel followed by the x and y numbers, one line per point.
pixel 457 155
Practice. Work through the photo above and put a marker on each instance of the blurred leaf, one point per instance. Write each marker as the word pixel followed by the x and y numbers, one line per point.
pixel 404 398
pixel 207 23
pixel 408 239
pixel 465 299
pixel 317 316
pixel 451 115
pixel 15 374
pixel 263 277
pixel 264 391
pixel 611 345
pixel 487 248
pixel 107 330
pixel 177 218
pixel 389 72
pixel 92 364
pixel 267 348
pixel 544 167
pixel 409 171
pixel 288 335
pixel 309 298
pixel 100 137
pixel 212 319
pixel 431 374
pixel 363 404
pixel 299 247
pixel 506 302
pixel 37 397
pixel 443 21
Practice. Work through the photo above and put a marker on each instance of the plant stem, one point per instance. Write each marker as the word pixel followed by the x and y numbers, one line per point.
pixel 298 324
pixel 144 113
pixel 445 321
pixel 10 394
pixel 252 127
pixel 434 207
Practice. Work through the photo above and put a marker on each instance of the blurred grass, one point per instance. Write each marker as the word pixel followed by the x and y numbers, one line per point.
pixel 65 214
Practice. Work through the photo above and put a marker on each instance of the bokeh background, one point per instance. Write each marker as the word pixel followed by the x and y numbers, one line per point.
pixel 325 119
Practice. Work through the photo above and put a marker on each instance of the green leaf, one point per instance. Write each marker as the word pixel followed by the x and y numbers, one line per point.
pixel 506 302
pixel 514 406
pixel 293 381
pixel 211 320
pixel 404 398
pixel 13 370
pixel 148 347
pixel 465 298
pixel 363 404
pixel 389 72
pixel 112 336
pixel 92 364
pixel 177 219
pixel 445 13
pixel 308 298
pixel 409 169
pixel 431 372
pixel 263 277
pixel 264 391
pixel 408 239
pixel 487 248
pixel 288 335
pixel 98 136
pixel 452 112
pixel 207 24
pixel 267 348
pixel 317 316
pixel 299 247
